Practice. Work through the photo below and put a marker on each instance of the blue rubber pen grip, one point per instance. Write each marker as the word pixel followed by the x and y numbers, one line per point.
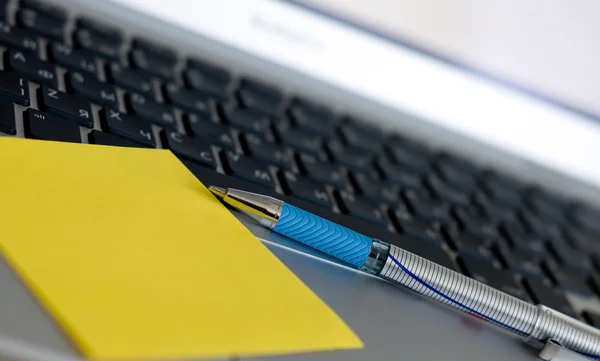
pixel 324 235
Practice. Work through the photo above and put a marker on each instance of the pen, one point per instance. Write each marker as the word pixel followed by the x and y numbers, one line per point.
pixel 534 323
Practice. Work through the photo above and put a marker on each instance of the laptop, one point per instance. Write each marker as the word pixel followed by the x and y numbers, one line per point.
pixel 385 121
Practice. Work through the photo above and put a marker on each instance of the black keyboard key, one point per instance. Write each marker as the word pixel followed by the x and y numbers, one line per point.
pixel 582 240
pixel 66 106
pixel 519 262
pixel 410 155
pixel 395 174
pixel 303 141
pixel 14 88
pixel 587 217
pixel 426 208
pixel 359 136
pixel 320 171
pixel 538 226
pixel 426 250
pixel 129 79
pixel 218 134
pixel 360 208
pixel 73 59
pixel 250 121
pixel 567 256
pixel 455 174
pixel 546 205
pixel 267 152
pixel 445 192
pixel 18 38
pixel 150 63
pixel 477 226
pixel 208 69
pixel 267 103
pixel 349 156
pixel 495 211
pixel 189 101
pixel 7 117
pixel 99 45
pixel 305 189
pixel 3 10
pixel 216 87
pixel 155 50
pixel 261 97
pixel 146 109
pixel 97 137
pixel 524 242
pixel 43 7
pixel 485 272
pixel 86 86
pixel 37 22
pixel 209 176
pixel 127 126
pixel 190 148
pixel 541 293
pixel 30 67
pixel 100 29
pixel 568 278
pixel 501 188
pixel 465 243
pixel 43 126
pixel 422 229
pixel 375 189
pixel 311 117
pixel 243 167
pixel 592 318
pixel 453 161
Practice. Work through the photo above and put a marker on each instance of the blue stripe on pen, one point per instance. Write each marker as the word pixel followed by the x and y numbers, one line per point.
pixel 418 279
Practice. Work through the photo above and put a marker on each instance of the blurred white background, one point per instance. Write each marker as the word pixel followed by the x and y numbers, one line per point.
pixel 552 46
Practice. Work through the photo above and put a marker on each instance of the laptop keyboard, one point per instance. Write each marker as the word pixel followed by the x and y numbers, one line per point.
pixel 241 132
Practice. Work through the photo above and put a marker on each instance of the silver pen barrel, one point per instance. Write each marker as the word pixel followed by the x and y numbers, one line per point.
pixel 531 322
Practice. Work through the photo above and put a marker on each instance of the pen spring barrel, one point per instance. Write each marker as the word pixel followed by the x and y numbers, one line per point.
pixel 487 303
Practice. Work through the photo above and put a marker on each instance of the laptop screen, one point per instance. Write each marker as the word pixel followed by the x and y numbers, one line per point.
pixel 545 47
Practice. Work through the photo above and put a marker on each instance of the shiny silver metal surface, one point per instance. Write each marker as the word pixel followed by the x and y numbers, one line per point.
pixel 554 351
pixel 468 295
pixel 377 257
pixel 262 209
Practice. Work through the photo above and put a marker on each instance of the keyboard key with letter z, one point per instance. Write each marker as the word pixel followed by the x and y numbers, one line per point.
pixel 66 106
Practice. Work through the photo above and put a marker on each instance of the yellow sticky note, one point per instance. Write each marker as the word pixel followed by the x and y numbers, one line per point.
pixel 137 260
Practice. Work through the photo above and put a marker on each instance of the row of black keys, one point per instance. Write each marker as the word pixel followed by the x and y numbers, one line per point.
pixel 355 148
pixel 79 111
pixel 131 132
pixel 214 82
pixel 414 159
pixel 92 39
pixel 146 57
pixel 254 142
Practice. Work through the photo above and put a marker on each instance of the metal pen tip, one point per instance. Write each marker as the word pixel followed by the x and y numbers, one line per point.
pixel 218 191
